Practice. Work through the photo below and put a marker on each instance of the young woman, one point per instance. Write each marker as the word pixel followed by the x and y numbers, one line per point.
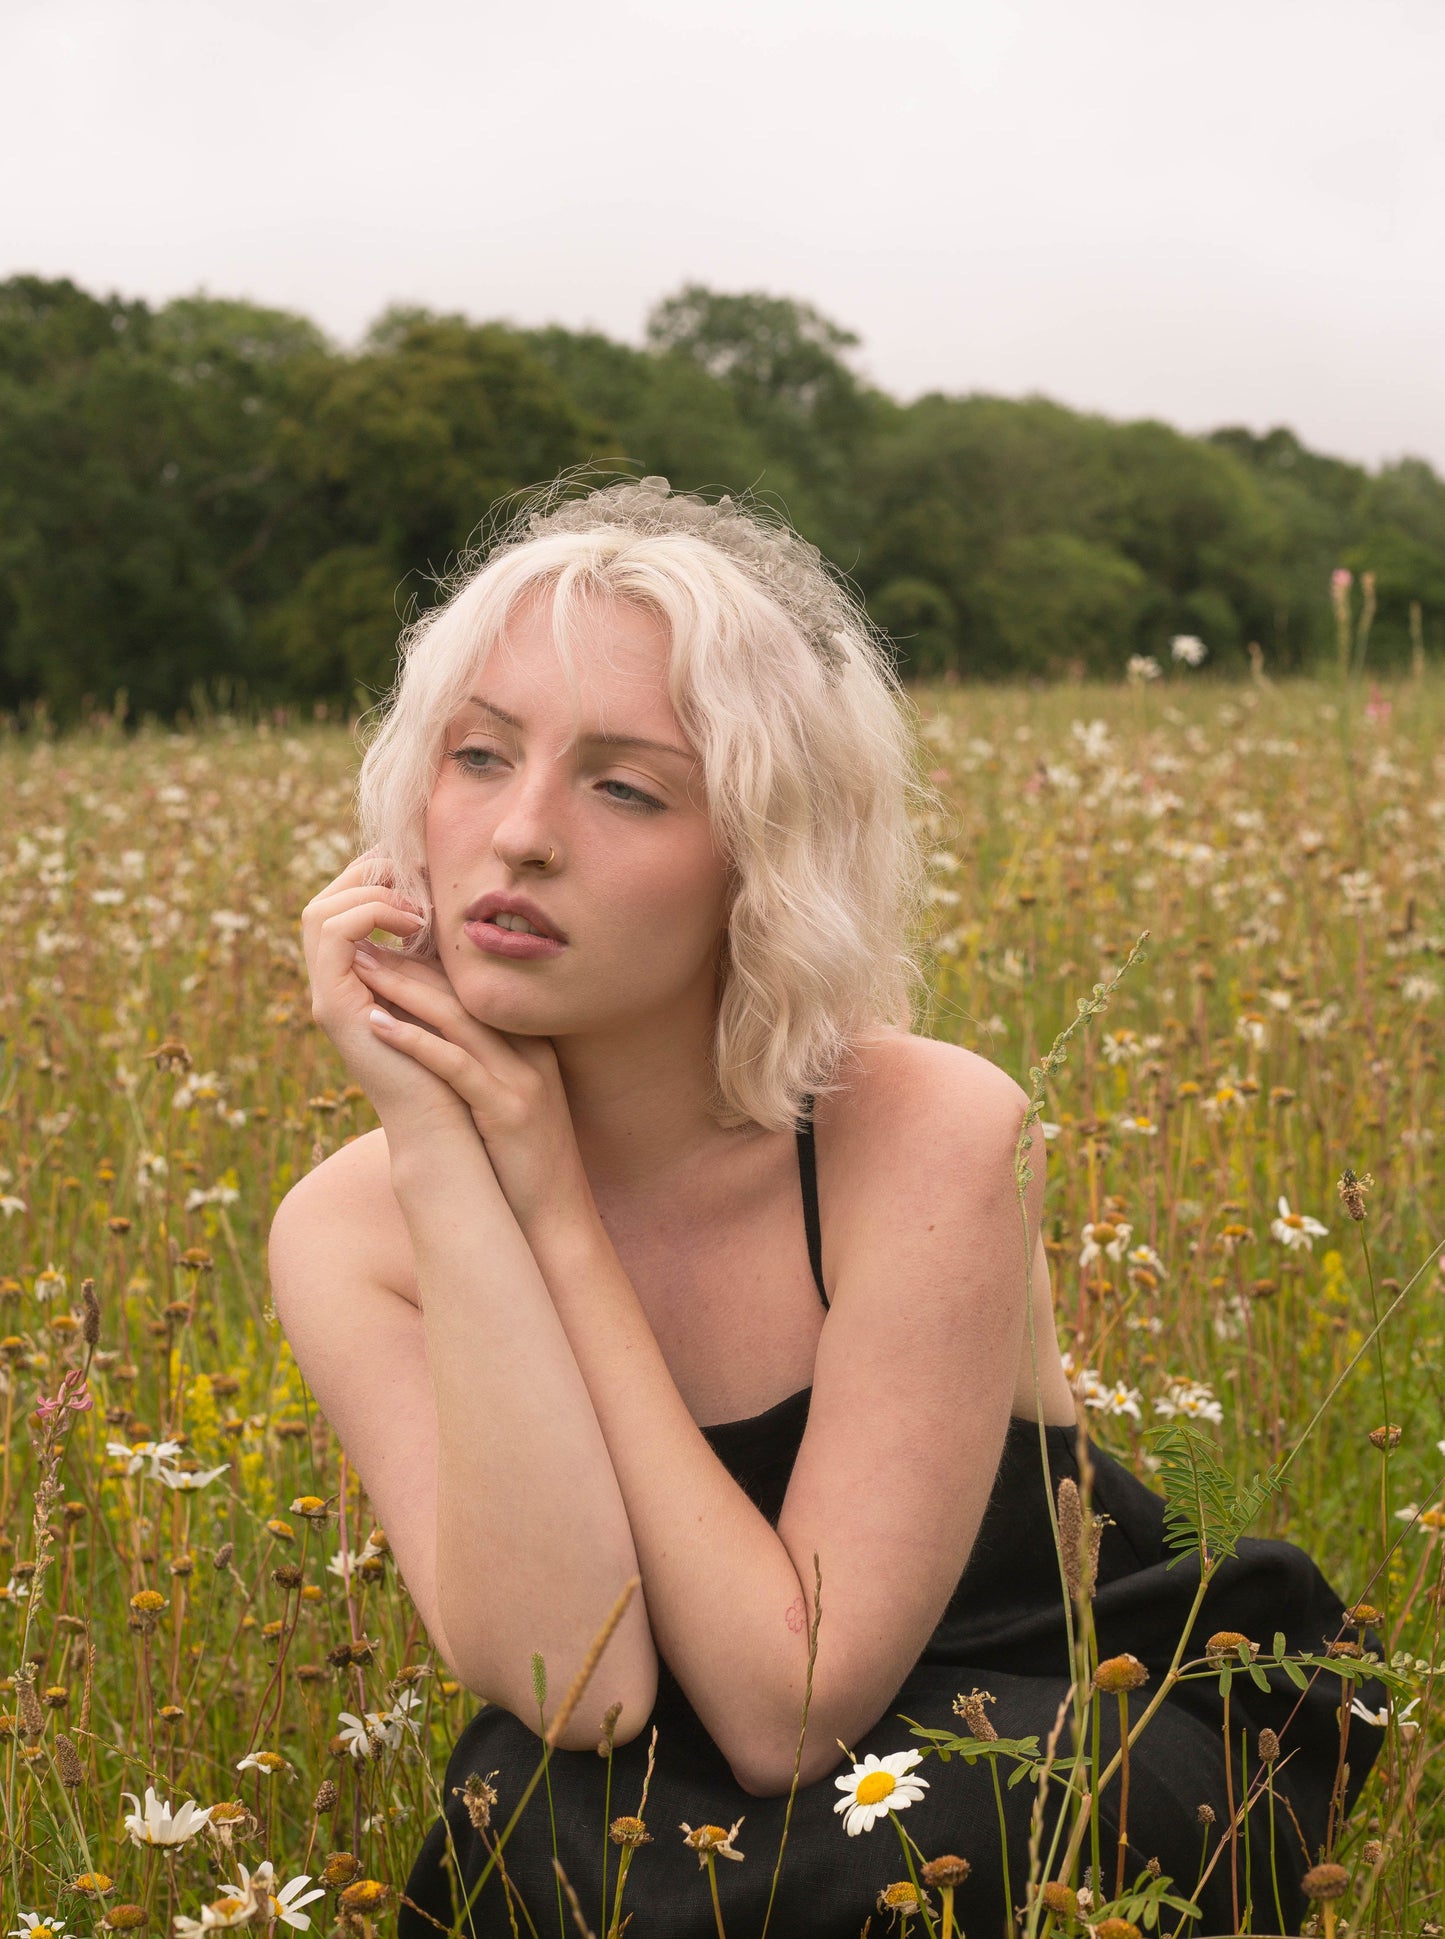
pixel 678 1256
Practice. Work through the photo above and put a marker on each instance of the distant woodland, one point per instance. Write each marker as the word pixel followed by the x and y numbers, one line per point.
pixel 211 499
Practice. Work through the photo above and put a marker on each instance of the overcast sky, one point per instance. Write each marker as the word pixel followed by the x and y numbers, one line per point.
pixel 1211 214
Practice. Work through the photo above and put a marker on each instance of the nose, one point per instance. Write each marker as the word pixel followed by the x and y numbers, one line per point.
pixel 529 823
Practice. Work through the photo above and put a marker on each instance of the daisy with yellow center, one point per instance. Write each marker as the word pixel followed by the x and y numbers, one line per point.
pixel 1295 1229
pixel 269 1762
pixel 711 1841
pixel 878 1786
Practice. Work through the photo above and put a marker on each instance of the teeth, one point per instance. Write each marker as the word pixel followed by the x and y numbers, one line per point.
pixel 505 920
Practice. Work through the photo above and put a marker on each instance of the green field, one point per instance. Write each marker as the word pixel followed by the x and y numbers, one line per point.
pixel 162 1085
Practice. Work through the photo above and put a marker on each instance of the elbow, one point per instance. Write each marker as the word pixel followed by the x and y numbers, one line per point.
pixel 586 1728
pixel 768 1763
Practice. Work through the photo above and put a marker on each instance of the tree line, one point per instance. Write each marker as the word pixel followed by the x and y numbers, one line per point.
pixel 210 496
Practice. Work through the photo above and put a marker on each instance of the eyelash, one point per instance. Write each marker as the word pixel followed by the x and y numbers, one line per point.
pixel 644 803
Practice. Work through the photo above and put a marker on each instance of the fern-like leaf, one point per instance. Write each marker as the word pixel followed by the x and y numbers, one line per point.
pixel 1206 1511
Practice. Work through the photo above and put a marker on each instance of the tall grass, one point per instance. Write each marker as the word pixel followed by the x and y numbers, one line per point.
pixel 162 1085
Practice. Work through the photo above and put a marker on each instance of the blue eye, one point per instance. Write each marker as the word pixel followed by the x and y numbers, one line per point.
pixel 644 803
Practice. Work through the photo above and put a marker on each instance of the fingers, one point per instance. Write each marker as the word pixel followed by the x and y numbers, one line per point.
pixel 438 1053
pixel 433 1002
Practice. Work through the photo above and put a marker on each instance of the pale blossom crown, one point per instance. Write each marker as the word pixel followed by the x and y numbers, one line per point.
pixel 785 566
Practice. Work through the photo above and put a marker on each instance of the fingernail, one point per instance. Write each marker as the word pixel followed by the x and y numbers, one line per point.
pixel 366 952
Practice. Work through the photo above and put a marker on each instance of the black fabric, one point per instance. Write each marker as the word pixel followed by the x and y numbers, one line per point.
pixel 1003 1631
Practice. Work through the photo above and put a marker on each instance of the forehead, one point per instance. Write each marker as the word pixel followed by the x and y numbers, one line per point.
pixel 619 655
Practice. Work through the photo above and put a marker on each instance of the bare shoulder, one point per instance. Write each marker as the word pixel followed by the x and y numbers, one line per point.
pixel 349 1193
pixel 912 1105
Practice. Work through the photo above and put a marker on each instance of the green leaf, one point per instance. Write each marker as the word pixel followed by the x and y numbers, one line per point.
pixel 1205 1512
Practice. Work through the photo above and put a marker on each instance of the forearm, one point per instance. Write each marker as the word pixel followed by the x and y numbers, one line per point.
pixel 532 1537
pixel 724 1597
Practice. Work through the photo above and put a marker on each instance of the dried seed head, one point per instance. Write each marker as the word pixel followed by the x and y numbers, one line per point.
pixel 366 1895
pixel 125 1918
pixel 947 1870
pixel 1385 1437
pixel 1364 1613
pixel 1062 1900
pixel 171 1055
pixel 1324 1882
pixel 971 1709
pixel 146 1607
pixel 902 1896
pixel 1268 1745
pixel 1372 1851
pixel 72 1772
pixel 1115 1929
pixel 1071 1538
pixel 479 1797
pixel 1117 1674
pixel 1205 1814
pixel 1352 1192
pixel 340 1869
pixel 629 1831
pixel 1344 1647
pixel 325 1799
pixel 288 1575
pixel 1224 1646
pixel 90 1326
pixel 31 1715
pixel 609 1728
pixel 221 1557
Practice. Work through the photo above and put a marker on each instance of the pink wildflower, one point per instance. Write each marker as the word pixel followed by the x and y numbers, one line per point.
pixel 73 1394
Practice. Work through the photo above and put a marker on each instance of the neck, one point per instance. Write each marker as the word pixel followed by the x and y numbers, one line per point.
pixel 638 1105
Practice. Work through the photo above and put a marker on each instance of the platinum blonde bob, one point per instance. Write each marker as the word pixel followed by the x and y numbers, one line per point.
pixel 806 740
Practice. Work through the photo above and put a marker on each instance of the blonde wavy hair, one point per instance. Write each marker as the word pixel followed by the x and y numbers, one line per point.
pixel 807 742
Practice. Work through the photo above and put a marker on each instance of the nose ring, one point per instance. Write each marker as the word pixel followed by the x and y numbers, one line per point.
pixel 551 857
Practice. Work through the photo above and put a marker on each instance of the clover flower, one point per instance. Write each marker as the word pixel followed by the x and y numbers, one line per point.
pixel 877 1786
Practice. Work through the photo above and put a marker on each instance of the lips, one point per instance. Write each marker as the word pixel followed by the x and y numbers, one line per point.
pixel 488 906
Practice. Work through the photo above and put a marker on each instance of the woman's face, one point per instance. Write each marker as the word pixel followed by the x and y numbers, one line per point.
pixel 637 889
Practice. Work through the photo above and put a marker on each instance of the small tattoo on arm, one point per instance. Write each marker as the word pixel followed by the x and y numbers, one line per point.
pixel 796 1615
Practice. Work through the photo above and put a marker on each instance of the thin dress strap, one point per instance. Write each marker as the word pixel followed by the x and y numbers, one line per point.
pixel 808 1173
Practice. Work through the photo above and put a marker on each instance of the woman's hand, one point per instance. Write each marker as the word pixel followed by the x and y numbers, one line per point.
pixel 510 1084
pixel 411 1101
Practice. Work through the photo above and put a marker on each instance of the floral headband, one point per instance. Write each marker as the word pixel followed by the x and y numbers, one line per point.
pixel 785 566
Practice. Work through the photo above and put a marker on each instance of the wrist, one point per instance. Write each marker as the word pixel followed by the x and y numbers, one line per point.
pixel 427 1157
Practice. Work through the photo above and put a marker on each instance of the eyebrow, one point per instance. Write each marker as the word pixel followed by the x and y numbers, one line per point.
pixel 599 738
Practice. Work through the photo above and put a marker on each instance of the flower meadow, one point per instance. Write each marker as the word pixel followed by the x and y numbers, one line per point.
pixel 219 1706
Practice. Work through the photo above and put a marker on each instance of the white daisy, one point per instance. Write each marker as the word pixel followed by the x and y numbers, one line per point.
pixel 285 1903
pixel 1108 1236
pixel 221 1915
pixel 202 1478
pixel 364 1736
pixel 1295 1229
pixel 32 1926
pixel 155 1825
pixel 877 1786
pixel 159 1455
pixel 269 1763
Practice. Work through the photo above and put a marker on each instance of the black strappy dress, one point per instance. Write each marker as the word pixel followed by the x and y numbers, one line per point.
pixel 1003 1631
